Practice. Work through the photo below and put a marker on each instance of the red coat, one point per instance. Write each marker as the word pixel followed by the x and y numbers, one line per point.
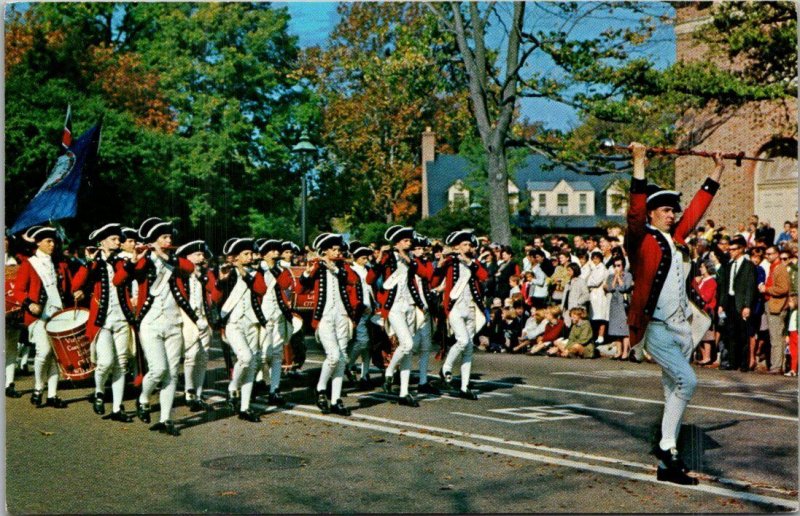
pixel 93 281
pixel 221 288
pixel 349 283
pixel 649 252
pixel 28 288
pixel 284 281
pixel 449 274
pixel 144 272
pixel 386 268
pixel 707 291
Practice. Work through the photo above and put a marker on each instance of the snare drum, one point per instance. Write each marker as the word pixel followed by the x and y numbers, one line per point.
pixel 72 348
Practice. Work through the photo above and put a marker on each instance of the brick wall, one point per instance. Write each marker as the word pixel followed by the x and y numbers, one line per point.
pixel 747 129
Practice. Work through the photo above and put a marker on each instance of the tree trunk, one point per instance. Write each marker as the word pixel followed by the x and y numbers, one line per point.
pixel 499 221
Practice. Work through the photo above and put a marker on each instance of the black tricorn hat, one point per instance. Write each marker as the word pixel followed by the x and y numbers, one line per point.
pixel 239 245
pixel 357 249
pixel 192 247
pixel 154 227
pixel 327 240
pixel 269 244
pixel 39 233
pixel 397 233
pixel 457 237
pixel 658 197
pixel 106 231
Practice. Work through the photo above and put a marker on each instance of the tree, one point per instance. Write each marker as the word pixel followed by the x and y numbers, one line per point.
pixel 199 104
pixel 384 77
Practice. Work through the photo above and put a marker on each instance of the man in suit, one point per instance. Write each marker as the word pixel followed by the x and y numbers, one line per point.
pixel 659 313
pixel 736 296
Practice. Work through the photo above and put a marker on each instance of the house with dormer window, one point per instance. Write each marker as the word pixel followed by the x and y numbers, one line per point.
pixel 542 197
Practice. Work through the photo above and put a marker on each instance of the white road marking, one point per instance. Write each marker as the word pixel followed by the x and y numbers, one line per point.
pixel 757 395
pixel 640 400
pixel 627 373
pixel 540 414
pixel 718 491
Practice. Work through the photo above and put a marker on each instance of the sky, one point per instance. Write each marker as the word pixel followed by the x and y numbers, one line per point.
pixel 312 22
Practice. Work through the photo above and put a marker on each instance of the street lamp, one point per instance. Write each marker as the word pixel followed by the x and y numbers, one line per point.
pixel 304 146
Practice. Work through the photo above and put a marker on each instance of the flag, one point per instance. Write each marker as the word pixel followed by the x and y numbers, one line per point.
pixel 66 138
pixel 58 197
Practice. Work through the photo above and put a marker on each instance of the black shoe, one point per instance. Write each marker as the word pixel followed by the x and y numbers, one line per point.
pixel 234 401
pixel 387 384
pixel 427 388
pixel 348 374
pixel 364 384
pixel 467 395
pixel 276 399
pixel 36 398
pixel 447 378
pixel 323 403
pixel 120 416
pixel 339 408
pixel 670 458
pixel 11 392
pixel 99 405
pixel 260 388
pixel 56 402
pixel 143 412
pixel 197 405
pixel 675 476
pixel 167 427
pixel 408 400
pixel 249 415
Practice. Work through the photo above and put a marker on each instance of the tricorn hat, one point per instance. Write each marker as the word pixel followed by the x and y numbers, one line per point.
pixel 288 245
pixel 327 240
pixel 457 237
pixel 129 233
pixel 106 231
pixel 39 233
pixel 239 245
pixel 357 249
pixel 192 247
pixel 154 227
pixel 269 244
pixel 658 197
pixel 397 233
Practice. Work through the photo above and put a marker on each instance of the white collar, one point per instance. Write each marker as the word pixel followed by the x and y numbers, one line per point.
pixel 43 256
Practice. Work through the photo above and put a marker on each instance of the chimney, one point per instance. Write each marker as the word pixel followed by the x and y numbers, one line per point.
pixel 428 154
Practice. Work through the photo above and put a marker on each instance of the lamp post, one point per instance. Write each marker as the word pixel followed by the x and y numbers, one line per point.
pixel 304 146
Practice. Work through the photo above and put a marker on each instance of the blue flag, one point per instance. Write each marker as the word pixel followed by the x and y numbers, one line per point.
pixel 58 197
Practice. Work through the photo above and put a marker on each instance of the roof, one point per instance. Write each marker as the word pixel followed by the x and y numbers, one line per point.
pixel 584 222
pixel 546 186
pixel 447 168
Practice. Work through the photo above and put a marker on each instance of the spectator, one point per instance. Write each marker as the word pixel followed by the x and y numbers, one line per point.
pixel 706 286
pixel 776 292
pixel 514 283
pixel 534 327
pixel 576 294
pixel 585 264
pixel 598 297
pixel 560 278
pixel 736 298
pixel 591 244
pixel 605 247
pixel 578 243
pixel 720 251
pixel 539 293
pixel 525 288
pixel 619 283
pixel 758 319
pixel 553 330
pixel 495 331
pixel 790 260
pixel 506 267
pixel 791 339
pixel 538 243
pixel 527 261
pixel 767 232
pixel 579 343
pixel 711 231
pixel 785 236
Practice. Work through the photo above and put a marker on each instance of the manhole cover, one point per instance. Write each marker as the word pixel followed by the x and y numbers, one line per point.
pixel 254 462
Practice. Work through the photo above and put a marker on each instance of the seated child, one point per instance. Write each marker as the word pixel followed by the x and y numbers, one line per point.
pixel 579 343
pixel 552 331
pixel 534 326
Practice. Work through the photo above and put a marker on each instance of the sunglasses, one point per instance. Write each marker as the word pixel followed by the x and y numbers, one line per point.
pixel 785 258
pixel 734 248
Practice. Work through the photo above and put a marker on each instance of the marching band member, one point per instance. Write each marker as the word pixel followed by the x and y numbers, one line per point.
pixel 161 276
pixel 108 326
pixel 196 329
pixel 461 274
pixel 12 336
pixel 397 297
pixel 361 254
pixel 423 335
pixel 659 313
pixel 238 291
pixel 331 283
pixel 39 287
pixel 297 340
pixel 278 317
pixel 288 251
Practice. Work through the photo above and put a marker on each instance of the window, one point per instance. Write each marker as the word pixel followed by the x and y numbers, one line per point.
pixel 460 199
pixel 563 204
pixel 582 204
pixel 542 203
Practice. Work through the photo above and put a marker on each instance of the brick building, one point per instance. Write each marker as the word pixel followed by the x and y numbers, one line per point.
pixel 764 129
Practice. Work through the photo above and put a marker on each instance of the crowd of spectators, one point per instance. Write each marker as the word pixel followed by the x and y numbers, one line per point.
pixel 567 296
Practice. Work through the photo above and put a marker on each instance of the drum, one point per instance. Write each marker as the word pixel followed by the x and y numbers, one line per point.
pixel 67 330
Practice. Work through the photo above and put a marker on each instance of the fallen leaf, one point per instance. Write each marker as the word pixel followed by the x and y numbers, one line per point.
pixel 46 434
pixel 228 493
pixel 448 487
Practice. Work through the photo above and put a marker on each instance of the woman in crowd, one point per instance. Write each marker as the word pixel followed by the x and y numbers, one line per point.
pixel 576 293
pixel 579 343
pixel 553 330
pixel 560 278
pixel 706 285
pixel 619 284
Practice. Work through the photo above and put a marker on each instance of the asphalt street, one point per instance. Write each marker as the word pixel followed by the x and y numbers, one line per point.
pixel 546 435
